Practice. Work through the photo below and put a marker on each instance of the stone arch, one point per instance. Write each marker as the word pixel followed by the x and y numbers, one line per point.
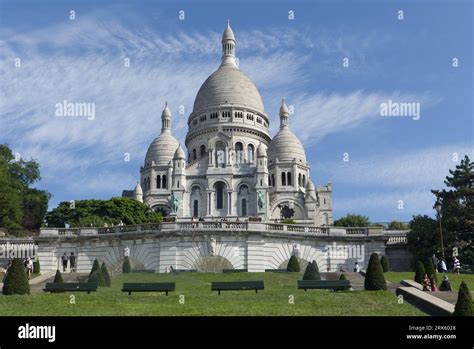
pixel 197 201
pixel 279 255
pixel 300 212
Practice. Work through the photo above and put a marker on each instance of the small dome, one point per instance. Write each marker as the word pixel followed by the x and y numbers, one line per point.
pixel 228 33
pixel 261 150
pixel 286 146
pixel 138 189
pixel 166 112
pixel 162 149
pixel 284 108
pixel 310 185
pixel 179 153
pixel 228 85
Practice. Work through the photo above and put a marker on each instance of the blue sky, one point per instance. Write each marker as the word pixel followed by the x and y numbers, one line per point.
pixel 337 109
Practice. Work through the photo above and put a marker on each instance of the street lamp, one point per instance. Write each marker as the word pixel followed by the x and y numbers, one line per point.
pixel 438 207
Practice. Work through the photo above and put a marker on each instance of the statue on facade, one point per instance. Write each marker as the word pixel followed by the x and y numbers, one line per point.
pixel 261 199
pixel 174 203
pixel 212 246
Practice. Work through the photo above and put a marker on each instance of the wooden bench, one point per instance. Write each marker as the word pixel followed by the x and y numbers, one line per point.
pixel 324 284
pixel 141 271
pixel 148 287
pixel 237 286
pixel 184 270
pixel 234 270
pixel 55 287
pixel 276 271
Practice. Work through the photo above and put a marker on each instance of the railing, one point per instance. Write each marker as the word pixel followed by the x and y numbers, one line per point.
pixel 356 231
pixel 213 225
pixel 297 228
pixel 396 238
pixel 68 231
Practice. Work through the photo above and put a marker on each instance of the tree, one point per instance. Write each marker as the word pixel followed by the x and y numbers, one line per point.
pixel 58 278
pixel 385 264
pixel 97 212
pixel 374 279
pixel 36 267
pixel 126 265
pixel 396 225
pixel 312 272
pixel 106 275
pixel 96 274
pixel 419 272
pixel 423 239
pixel 457 210
pixel 430 270
pixel 342 277
pixel 16 281
pixel 293 264
pixel 352 220
pixel 464 303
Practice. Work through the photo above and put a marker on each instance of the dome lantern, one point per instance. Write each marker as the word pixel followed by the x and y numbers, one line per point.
pixel 228 46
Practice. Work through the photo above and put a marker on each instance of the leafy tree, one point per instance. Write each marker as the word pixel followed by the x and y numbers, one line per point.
pixel 126 265
pixel 464 303
pixel 384 263
pixel 352 220
pixel 374 279
pixel 106 275
pixel 457 210
pixel 312 272
pixel 430 270
pixel 36 267
pixel 396 225
pixel 58 278
pixel 419 272
pixel 98 212
pixel 293 264
pixel 423 239
pixel 16 281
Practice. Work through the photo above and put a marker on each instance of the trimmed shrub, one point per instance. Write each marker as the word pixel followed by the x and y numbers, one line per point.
pixel 95 267
pixel 342 277
pixel 126 265
pixel 58 278
pixel 293 265
pixel 36 267
pixel 312 272
pixel 95 275
pixel 374 279
pixel 105 275
pixel 385 264
pixel 430 270
pixel 419 272
pixel 464 303
pixel 16 281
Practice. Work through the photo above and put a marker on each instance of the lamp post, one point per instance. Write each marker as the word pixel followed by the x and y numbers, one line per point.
pixel 438 207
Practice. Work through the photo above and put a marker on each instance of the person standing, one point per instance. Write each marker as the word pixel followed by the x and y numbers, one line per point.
pixel 456 265
pixel 435 262
pixel 64 261
pixel 72 262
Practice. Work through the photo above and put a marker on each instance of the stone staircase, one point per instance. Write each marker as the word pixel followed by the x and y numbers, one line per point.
pixel 356 279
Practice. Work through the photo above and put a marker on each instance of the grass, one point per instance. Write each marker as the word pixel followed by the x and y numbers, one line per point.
pixel 199 300
pixel 454 279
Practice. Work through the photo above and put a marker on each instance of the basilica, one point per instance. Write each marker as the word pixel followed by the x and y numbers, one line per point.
pixel 232 167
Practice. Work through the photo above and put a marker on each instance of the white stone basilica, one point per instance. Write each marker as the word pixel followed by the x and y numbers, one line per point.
pixel 233 168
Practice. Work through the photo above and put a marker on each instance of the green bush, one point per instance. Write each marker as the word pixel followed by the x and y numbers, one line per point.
pixel 126 265
pixel 58 278
pixel 419 272
pixel 36 267
pixel 95 275
pixel 430 270
pixel 105 275
pixel 16 281
pixel 312 272
pixel 464 303
pixel 95 267
pixel 374 279
pixel 385 264
pixel 293 265
pixel 342 277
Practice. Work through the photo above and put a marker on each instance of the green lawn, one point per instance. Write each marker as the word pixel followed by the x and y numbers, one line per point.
pixel 454 279
pixel 199 300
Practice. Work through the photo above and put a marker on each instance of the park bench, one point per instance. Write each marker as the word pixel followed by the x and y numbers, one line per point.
pixel 184 270
pixel 234 270
pixel 276 271
pixel 55 287
pixel 148 287
pixel 141 271
pixel 324 284
pixel 237 286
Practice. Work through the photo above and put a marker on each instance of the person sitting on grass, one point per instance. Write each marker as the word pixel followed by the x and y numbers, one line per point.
pixel 426 283
pixel 445 284
pixel 433 284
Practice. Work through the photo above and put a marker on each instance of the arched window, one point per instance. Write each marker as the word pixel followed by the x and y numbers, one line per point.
pixel 269 180
pixel 194 154
pixel 283 178
pixel 220 154
pixel 239 152
pixel 304 180
pixel 288 178
pixel 202 150
pixel 219 196
pixel 196 208
pixel 158 182
pixel 299 179
pixel 251 151
pixel 148 183
pixel 273 180
pixel 177 185
pixel 244 207
pixel 163 180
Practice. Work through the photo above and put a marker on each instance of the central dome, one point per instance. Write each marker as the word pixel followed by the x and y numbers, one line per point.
pixel 228 85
